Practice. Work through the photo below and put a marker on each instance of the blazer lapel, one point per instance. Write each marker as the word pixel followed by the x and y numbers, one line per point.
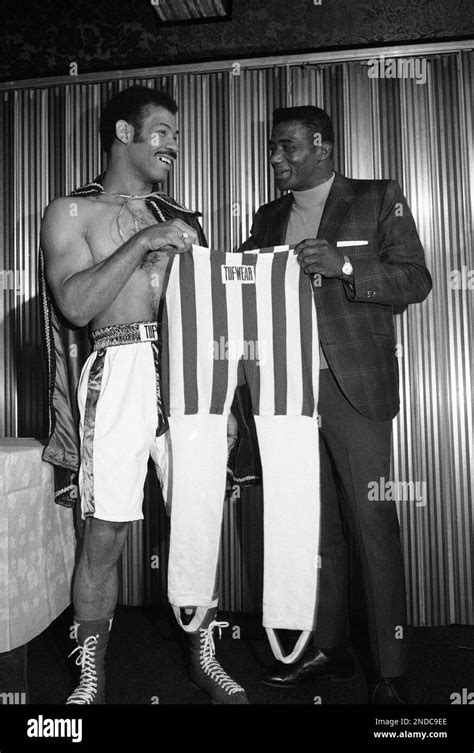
pixel 337 205
pixel 277 227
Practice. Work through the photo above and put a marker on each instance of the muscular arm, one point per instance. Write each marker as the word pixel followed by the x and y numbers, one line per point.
pixel 81 287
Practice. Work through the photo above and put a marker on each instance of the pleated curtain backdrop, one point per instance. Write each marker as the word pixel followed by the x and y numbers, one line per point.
pixel 417 132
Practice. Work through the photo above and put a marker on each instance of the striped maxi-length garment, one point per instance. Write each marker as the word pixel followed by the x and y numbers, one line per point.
pixel 230 318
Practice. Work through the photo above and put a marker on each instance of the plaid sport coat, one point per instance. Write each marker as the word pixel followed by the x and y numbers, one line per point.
pixel 355 321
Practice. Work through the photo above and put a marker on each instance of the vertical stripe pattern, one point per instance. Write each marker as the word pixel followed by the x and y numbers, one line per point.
pixel 220 330
pixel 251 332
pixel 272 339
pixel 278 311
pixel 419 134
pixel 189 332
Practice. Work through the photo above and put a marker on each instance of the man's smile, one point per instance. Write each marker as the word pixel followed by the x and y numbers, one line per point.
pixel 166 157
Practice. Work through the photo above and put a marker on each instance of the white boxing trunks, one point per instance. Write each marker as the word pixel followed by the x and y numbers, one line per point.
pixel 121 421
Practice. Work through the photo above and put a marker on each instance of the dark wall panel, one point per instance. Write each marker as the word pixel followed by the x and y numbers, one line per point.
pixel 47 38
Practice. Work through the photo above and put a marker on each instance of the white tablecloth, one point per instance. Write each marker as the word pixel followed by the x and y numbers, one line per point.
pixel 36 544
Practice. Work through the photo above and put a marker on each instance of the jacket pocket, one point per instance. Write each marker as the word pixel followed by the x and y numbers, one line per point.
pixel 383 340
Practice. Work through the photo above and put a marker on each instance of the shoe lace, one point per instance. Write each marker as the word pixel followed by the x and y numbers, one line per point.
pixel 210 664
pixel 85 659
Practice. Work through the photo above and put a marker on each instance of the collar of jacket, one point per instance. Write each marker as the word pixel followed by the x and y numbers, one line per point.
pixel 337 205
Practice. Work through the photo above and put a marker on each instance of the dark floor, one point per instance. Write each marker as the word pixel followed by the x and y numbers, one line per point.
pixel 146 663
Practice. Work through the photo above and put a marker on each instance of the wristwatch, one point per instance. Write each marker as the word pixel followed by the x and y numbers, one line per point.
pixel 347 268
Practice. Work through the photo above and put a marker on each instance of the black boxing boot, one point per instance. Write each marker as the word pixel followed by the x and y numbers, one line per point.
pixel 92 637
pixel 205 672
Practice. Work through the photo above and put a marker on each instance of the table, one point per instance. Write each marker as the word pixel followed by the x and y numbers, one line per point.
pixel 37 546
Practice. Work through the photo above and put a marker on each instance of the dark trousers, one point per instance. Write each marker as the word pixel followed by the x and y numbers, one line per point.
pixel 361 556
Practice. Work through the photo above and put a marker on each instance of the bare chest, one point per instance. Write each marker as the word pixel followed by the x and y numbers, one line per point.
pixel 111 224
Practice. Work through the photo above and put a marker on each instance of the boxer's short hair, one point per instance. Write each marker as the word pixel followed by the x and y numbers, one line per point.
pixel 314 118
pixel 131 105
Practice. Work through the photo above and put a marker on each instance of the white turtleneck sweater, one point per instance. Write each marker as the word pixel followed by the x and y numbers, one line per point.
pixel 304 221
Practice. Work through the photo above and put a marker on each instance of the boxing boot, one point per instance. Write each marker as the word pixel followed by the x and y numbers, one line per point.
pixel 92 637
pixel 205 672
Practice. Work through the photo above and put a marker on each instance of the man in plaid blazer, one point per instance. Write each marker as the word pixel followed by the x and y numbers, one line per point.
pixel 358 241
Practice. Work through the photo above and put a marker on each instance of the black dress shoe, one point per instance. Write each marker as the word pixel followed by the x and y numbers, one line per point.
pixel 311 666
pixel 388 690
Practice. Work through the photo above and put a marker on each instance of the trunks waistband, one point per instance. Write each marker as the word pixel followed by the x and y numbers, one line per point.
pixel 124 334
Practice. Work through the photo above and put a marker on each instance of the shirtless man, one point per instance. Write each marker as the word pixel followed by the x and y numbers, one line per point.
pixel 106 254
